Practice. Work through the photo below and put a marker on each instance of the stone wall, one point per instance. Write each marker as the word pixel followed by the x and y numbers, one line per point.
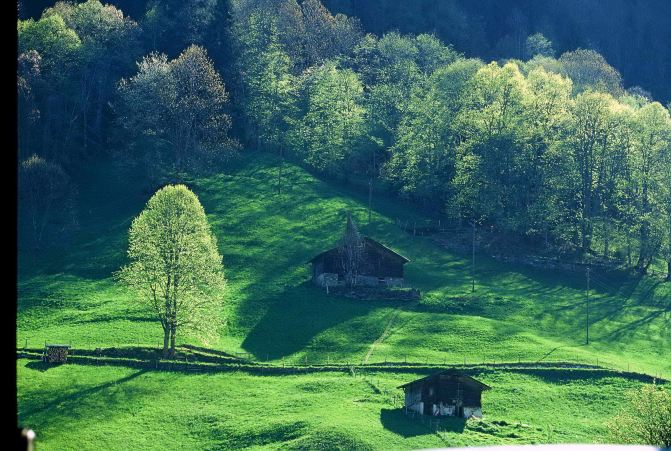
pixel 371 281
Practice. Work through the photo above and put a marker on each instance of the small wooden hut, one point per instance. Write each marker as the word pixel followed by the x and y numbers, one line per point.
pixel 447 393
pixel 55 353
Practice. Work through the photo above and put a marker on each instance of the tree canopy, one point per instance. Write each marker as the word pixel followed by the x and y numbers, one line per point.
pixel 175 267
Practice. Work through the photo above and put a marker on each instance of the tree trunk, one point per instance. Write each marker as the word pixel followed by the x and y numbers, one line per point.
pixel 166 340
pixel 642 264
pixel 606 245
pixel 585 238
pixel 173 331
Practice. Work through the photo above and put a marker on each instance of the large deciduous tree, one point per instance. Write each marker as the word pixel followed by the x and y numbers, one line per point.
pixel 586 133
pixel 590 71
pixel 333 124
pixel 422 159
pixel 327 36
pixel 179 105
pixel 650 162
pixel 171 26
pixel 46 196
pixel 82 49
pixel 491 165
pixel 175 267
pixel 109 46
pixel 55 48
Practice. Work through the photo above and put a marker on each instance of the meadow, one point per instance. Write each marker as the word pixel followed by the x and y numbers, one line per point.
pixel 274 314
pixel 82 407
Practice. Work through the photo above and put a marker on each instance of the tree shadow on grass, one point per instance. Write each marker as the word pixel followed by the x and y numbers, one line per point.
pixel 78 397
pixel 298 314
pixel 638 324
pixel 405 425
pixel 39 365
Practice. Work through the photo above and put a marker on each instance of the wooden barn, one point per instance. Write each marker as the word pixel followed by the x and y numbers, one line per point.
pixel 380 266
pixel 447 393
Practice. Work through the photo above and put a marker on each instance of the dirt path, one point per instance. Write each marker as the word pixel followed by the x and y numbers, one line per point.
pixel 385 333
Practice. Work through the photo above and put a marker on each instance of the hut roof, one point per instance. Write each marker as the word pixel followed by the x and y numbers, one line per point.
pixel 372 243
pixel 450 372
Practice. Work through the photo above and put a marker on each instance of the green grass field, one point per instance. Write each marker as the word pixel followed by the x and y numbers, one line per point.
pixel 67 294
pixel 81 407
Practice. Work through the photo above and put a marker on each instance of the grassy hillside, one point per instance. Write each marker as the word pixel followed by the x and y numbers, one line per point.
pixel 81 407
pixel 273 311
pixel 68 295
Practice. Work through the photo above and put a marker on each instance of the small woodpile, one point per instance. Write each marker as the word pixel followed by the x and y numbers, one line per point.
pixel 55 353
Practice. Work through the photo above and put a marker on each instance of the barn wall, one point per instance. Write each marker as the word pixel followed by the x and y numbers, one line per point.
pixel 449 387
pixel 381 263
pixel 413 399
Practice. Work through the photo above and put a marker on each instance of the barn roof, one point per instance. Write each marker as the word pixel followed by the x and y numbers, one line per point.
pixel 450 372
pixel 370 241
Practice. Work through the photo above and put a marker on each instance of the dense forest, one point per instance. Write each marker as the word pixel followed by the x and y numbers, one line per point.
pixel 631 35
pixel 546 147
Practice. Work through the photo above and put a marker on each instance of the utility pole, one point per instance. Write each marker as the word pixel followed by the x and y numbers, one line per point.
pixel 473 260
pixel 587 316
